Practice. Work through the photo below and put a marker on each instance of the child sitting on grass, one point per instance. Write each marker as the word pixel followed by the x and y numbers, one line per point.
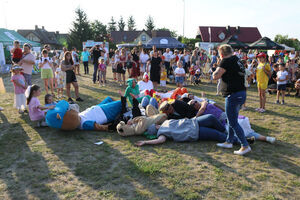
pixel 19 87
pixel 36 111
pixel 282 77
pixel 179 74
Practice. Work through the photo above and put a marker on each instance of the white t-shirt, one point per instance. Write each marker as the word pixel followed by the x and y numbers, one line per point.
pixel 187 58
pixel 94 113
pixel 281 76
pixel 145 86
pixel 168 56
pixel 179 70
pixel 46 65
pixel 144 57
pixel 292 56
pixel 75 57
pixel 247 74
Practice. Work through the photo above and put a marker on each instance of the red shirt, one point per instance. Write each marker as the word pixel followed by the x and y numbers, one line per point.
pixel 17 53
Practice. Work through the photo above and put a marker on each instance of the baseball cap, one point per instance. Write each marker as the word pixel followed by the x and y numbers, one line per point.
pixel 261 55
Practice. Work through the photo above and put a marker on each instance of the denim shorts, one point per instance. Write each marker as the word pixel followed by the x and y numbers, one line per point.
pixel 179 79
pixel 281 87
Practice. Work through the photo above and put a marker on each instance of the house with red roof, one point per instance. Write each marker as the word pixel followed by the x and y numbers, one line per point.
pixel 214 35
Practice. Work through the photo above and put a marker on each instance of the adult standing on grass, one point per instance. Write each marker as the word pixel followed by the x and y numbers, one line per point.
pixel 27 62
pixel 263 72
pixel 155 63
pixel 67 65
pixel 96 52
pixel 85 60
pixel 232 73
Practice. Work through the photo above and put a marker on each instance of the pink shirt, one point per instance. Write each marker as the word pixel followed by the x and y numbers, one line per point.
pixel 28 67
pixel 35 113
pixel 19 78
pixel 102 67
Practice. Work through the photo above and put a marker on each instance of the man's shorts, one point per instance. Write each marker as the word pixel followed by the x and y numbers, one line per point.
pixel 281 87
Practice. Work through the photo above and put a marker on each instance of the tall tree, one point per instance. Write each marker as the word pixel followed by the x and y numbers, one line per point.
pixel 80 30
pixel 112 25
pixel 99 31
pixel 149 24
pixel 131 23
pixel 121 24
pixel 291 42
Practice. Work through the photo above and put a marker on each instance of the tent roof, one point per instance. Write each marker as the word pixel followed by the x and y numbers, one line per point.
pixel 7 37
pixel 287 48
pixel 235 43
pixel 266 43
pixel 164 42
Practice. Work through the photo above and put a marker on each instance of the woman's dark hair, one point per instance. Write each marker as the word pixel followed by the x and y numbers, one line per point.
pixel 68 62
pixel 45 51
pixel 32 89
pixel 47 96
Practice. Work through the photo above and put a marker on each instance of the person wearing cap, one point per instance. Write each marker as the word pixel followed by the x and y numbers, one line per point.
pixel 177 109
pixel 232 74
pixel 263 72
pixel 206 127
pixel 146 85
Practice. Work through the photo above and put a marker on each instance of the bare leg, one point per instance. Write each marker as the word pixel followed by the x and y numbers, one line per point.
pixel 68 88
pixel 51 85
pixel 75 85
pixel 46 85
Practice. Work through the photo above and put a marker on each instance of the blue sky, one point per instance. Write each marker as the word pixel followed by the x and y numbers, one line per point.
pixel 270 16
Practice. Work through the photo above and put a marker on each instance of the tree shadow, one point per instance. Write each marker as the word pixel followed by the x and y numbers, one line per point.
pixel 24 172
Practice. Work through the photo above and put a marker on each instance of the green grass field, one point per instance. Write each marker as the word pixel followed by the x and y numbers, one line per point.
pixel 43 163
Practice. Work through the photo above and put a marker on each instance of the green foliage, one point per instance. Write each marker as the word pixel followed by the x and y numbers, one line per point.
pixel 189 42
pixel 63 41
pixel 173 33
pixel 112 25
pixel 291 42
pixel 131 23
pixel 121 24
pixel 149 24
pixel 98 30
pixel 80 31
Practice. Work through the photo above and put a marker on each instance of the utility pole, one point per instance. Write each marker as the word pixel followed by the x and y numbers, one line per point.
pixel 183 17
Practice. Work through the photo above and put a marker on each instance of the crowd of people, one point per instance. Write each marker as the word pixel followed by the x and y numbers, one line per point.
pixel 148 73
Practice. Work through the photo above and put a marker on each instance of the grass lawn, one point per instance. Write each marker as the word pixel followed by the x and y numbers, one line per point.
pixel 44 163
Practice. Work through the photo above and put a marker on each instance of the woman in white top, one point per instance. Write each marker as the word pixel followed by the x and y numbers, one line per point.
pixel 144 57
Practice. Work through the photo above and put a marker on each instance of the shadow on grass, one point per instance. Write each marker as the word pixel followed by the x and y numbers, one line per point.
pixel 23 171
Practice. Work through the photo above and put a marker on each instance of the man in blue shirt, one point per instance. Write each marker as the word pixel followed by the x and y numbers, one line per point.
pixel 85 60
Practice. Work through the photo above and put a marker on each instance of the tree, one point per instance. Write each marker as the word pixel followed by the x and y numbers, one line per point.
pixel 189 42
pixel 149 24
pixel 99 31
pixel 121 24
pixel 173 33
pixel 112 25
pixel 291 42
pixel 131 23
pixel 80 30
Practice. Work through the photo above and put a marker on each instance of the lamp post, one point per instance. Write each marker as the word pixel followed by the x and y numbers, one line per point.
pixel 183 17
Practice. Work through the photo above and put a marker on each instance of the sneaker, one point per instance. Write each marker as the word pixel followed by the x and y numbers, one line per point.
pixel 271 140
pixel 225 145
pixel 21 111
pixel 70 100
pixel 240 152
pixel 282 102
pixel 277 102
pixel 79 99
pixel 257 109
pixel 262 110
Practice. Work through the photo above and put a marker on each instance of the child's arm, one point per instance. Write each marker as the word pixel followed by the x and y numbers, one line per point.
pixel 45 107
pixel 19 84
pixel 161 139
pixel 202 108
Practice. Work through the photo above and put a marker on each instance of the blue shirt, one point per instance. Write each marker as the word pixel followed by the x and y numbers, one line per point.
pixel 85 56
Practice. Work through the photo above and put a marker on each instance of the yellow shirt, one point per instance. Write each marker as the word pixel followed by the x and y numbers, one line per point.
pixel 261 76
pixel 163 76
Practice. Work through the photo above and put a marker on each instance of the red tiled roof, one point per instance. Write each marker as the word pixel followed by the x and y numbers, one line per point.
pixel 244 34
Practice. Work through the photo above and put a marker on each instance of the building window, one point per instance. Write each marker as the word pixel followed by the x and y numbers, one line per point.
pixel 124 38
pixel 143 38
